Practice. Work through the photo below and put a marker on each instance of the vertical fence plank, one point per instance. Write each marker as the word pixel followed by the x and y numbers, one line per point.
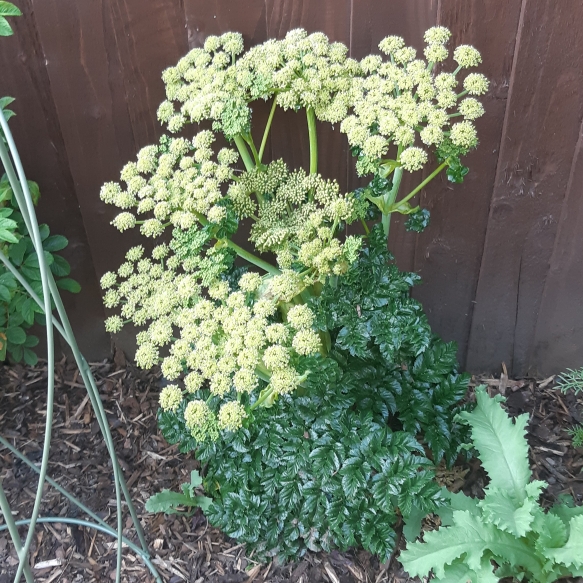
pixel 204 18
pixel 449 252
pixel 540 133
pixel 558 339
pixel 40 142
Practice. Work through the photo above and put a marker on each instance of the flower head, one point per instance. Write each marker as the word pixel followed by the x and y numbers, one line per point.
pixel 170 398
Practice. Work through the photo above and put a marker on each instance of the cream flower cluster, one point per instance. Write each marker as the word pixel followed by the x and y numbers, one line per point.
pixel 229 341
pixel 402 102
pixel 297 215
pixel 217 83
pixel 172 185
pixel 239 341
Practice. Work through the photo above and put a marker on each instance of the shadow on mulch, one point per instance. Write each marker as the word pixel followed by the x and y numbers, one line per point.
pixel 188 549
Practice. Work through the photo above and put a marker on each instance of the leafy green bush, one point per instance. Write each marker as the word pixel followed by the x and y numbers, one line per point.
pixel 338 465
pixel 316 333
pixel 508 526
pixel 18 311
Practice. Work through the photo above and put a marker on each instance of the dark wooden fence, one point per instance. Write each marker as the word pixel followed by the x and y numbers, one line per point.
pixel 502 260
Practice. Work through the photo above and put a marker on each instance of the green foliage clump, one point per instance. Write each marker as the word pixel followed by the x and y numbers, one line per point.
pixel 508 526
pixel 571 380
pixel 18 311
pixel 341 464
pixel 244 337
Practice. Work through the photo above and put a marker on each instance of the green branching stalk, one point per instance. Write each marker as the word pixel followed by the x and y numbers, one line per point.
pixel 243 253
pixel 244 152
pixel 423 184
pixel 257 261
pixel 313 136
pixel 267 128
pixel 249 139
pixel 390 200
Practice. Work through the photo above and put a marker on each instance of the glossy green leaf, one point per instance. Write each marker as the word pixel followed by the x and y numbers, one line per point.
pixel 69 284
pixel 55 243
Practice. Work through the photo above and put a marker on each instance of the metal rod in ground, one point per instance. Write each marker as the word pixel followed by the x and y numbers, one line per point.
pixel 13 530
pixel 100 528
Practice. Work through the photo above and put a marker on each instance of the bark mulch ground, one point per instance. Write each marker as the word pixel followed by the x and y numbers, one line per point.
pixel 188 549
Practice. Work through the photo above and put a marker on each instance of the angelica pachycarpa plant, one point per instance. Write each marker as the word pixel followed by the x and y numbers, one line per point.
pixel 311 387
pixel 231 339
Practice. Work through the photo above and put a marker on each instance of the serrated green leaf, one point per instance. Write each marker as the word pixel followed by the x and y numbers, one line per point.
pixel 60 266
pixel 501 444
pixel 551 530
pixel 571 555
pixel 55 243
pixel 170 502
pixel 5 294
pixel 470 537
pixel 412 524
pixel 16 335
pixel 5 28
pixel 566 512
pixel 28 309
pixel 502 509
pixel 7 236
pixel 5 102
pixel 29 356
pixel 459 572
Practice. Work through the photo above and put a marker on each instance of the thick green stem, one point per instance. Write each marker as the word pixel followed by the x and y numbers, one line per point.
pixel 248 256
pixel 365 226
pixel 390 199
pixel 424 183
pixel 21 191
pixel 267 128
pixel 264 397
pixel 257 261
pixel 242 147
pixel 310 114
pixel 249 139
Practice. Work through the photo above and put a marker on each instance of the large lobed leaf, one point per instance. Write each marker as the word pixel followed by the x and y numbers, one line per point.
pixel 471 539
pixel 571 555
pixel 501 444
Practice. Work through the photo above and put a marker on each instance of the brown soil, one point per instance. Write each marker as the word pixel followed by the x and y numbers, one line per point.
pixel 188 549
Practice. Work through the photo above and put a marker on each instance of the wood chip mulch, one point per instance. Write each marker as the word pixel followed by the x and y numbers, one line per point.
pixel 188 549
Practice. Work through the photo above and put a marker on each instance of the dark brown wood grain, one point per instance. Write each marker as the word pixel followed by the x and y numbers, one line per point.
pixel 558 338
pixel 541 128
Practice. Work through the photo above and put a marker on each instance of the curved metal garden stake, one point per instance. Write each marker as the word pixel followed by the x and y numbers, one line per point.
pixel 50 295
